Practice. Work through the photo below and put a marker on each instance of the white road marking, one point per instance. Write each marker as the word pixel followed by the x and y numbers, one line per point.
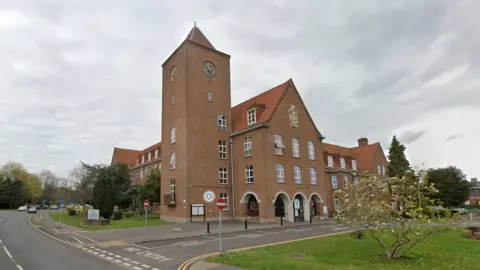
pixel 109 258
pixel 126 259
pixel 111 254
pixel 85 237
pixel 19 267
pixel 117 261
pixel 136 268
pixel 155 269
pixel 146 266
pixel 102 255
pixel 77 240
pixel 118 256
pixel 127 264
pixel 135 262
pixel 0 241
pixel 96 253
pixel 8 253
pixel 140 246
pixel 132 249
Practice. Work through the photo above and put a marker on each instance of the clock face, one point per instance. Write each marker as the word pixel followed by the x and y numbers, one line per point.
pixel 173 73
pixel 209 69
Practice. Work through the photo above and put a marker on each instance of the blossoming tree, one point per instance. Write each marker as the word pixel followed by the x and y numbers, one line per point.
pixel 391 208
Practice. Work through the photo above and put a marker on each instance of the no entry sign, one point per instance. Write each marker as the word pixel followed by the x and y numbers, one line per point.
pixel 221 204
pixel 145 204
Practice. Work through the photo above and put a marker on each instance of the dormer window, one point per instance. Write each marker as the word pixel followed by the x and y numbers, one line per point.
pixel 330 161
pixel 251 116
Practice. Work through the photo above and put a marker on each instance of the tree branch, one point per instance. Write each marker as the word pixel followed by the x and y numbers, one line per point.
pixel 416 241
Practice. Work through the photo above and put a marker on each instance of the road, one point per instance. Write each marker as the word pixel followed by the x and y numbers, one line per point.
pixel 23 247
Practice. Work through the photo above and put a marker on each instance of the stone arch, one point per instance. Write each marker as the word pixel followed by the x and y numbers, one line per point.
pixel 315 203
pixel 279 193
pixel 283 206
pixel 319 198
pixel 305 208
pixel 305 198
pixel 245 196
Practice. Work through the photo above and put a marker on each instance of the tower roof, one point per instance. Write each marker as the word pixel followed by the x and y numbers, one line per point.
pixel 196 36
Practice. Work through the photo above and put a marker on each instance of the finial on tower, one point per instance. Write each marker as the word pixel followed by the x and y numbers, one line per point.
pixel 194 23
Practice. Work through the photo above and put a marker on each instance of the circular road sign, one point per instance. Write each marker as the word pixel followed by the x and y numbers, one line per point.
pixel 145 204
pixel 221 204
pixel 209 196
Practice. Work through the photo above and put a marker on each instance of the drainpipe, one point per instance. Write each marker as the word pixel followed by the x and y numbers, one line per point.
pixel 231 177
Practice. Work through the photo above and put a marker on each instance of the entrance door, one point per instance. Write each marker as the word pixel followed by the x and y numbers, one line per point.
pixel 325 211
pixel 298 208
pixel 279 207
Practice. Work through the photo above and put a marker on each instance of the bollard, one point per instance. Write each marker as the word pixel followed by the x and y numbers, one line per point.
pixel 311 219
pixel 245 224
pixel 281 221
pixel 208 227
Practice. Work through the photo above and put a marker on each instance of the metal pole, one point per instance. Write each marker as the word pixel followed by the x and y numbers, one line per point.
pixel 145 227
pixel 60 210
pixel 220 232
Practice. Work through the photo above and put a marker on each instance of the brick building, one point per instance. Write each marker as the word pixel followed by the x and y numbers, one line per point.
pixel 264 156
pixel 474 198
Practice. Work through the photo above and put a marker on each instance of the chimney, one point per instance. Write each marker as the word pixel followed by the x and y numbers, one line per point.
pixel 362 142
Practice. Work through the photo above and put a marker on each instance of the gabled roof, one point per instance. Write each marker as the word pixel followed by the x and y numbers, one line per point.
pixel 128 156
pixel 270 99
pixel 196 36
pixel 365 155
pixel 150 149
pixel 337 149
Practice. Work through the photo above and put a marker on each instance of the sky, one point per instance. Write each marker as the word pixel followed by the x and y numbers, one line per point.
pixel 80 77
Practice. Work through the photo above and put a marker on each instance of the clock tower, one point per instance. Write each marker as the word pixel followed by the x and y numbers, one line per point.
pixel 196 124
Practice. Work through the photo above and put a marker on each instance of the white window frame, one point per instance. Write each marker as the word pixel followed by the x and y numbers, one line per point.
pixel 336 202
pixel 311 150
pixel 354 164
pixel 173 135
pixel 222 149
pixel 383 170
pixel 279 146
pixel 297 174
pixel 172 161
pixel 224 196
pixel 345 180
pixel 209 96
pixel 280 173
pixel 247 146
pixel 313 176
pixel 156 153
pixel 342 163
pixel 296 147
pixel 222 122
pixel 249 178
pixel 251 116
pixel 223 176
pixel 173 99
pixel 334 182
pixel 172 190
pixel 379 170
pixel 138 161
pixel 143 159
pixel 330 161
pixel 149 156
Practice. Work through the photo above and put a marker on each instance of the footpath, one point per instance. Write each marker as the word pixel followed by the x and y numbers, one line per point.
pixel 151 233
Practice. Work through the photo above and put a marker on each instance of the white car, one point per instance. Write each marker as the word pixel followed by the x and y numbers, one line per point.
pixel 23 208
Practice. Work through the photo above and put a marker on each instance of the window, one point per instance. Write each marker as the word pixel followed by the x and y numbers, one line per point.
pixel 209 96
pixel 336 202
pixel 222 174
pixel 225 197
pixel 311 150
pixel 141 173
pixel 251 116
pixel 137 161
pixel 330 161
pixel 342 162
pixel 313 176
pixel 354 165
pixel 334 182
pixel 222 149
pixel 297 174
pixel 172 135
pixel 172 160
pixel 172 190
pixel 280 173
pixel 345 179
pixel 383 169
pixel 279 145
pixel 222 122
pixel 156 153
pixel 249 174
pixel 150 156
pixel 295 147
pixel 247 146
pixel 143 159
pixel 173 100
pixel 379 170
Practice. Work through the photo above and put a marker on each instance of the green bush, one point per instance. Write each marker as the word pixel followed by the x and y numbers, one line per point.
pixel 117 215
pixel 130 214
pixel 358 234
pixel 72 212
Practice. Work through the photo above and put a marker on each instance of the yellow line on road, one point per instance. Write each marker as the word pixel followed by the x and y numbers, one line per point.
pixel 188 263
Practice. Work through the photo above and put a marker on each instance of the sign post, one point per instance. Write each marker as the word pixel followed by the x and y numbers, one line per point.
pixel 60 210
pixel 145 205
pixel 221 203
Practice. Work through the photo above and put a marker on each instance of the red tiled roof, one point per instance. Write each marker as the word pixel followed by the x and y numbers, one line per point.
pixel 337 149
pixel 125 155
pixel 366 155
pixel 269 99
pixel 196 36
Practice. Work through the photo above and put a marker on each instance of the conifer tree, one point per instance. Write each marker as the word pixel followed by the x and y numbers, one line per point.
pixel 397 161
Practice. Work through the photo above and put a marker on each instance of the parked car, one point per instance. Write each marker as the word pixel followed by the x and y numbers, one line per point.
pixel 54 207
pixel 460 211
pixel 22 208
pixel 32 210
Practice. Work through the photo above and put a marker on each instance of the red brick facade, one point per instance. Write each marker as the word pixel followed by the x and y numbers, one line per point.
pixel 265 156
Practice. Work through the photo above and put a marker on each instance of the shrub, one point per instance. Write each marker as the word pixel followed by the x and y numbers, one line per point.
pixel 130 214
pixel 117 215
pixel 72 212
pixel 358 234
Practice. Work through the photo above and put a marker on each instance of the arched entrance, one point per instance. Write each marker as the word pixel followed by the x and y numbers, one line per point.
pixel 250 204
pixel 279 207
pixel 298 213
pixel 315 204
pixel 282 205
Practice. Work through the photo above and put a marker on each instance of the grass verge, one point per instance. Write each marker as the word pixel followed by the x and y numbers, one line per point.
pixel 449 250
pixel 125 222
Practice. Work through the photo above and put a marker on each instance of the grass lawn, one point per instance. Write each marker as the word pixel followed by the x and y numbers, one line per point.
pixel 439 251
pixel 125 222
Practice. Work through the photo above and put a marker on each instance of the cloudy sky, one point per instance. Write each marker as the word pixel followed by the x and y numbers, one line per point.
pixel 80 77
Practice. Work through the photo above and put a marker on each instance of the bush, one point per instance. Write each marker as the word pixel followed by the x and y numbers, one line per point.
pixel 358 234
pixel 117 215
pixel 130 214
pixel 72 212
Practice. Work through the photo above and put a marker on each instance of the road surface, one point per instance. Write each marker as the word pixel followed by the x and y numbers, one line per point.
pixel 23 247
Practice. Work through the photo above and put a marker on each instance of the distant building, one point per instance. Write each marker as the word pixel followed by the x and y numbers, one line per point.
pixel 264 156
pixel 474 198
